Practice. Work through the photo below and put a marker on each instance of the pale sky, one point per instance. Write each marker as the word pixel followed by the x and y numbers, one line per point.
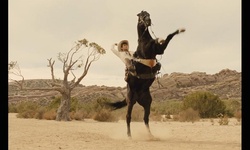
pixel 40 29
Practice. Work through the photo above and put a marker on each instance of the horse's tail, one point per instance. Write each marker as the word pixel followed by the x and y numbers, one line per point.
pixel 117 105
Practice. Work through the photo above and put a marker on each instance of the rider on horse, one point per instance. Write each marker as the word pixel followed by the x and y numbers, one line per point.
pixel 125 55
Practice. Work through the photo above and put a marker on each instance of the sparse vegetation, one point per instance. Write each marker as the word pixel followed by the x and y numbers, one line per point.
pixel 98 111
pixel 223 120
pixel 237 115
pixel 232 106
pixel 166 107
pixel 189 115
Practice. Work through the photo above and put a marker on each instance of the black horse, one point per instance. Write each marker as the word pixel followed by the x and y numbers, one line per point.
pixel 147 67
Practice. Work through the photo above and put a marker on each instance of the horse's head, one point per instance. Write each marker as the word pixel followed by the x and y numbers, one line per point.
pixel 144 19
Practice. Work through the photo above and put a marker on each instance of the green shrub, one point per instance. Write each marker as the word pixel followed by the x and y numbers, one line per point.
pixel 232 106
pixel 54 104
pixel 12 108
pixel 166 107
pixel 207 104
pixel 99 104
pixel 25 109
pixel 26 114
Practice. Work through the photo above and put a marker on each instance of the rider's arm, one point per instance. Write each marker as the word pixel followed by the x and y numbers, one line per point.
pixel 115 51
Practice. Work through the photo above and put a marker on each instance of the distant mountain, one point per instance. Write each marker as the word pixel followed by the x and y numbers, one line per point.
pixel 226 84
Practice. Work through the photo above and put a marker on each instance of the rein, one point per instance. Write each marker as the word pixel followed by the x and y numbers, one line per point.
pixel 145 31
pixel 142 34
pixel 152 32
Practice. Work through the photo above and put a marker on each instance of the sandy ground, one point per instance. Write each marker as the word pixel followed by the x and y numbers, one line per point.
pixel 33 134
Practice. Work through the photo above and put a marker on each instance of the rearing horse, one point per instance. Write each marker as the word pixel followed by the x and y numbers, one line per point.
pixel 138 85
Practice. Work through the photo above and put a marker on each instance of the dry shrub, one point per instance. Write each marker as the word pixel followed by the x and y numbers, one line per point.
pixel 26 109
pixel 78 115
pixel 137 113
pixel 189 115
pixel 71 114
pixel 176 117
pixel 155 116
pixel 39 113
pixel 86 114
pixel 223 120
pixel 212 121
pixel 26 114
pixel 50 115
pixel 237 115
pixel 104 115
pixel 12 108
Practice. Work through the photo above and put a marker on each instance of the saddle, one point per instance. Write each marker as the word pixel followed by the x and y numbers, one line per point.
pixel 146 62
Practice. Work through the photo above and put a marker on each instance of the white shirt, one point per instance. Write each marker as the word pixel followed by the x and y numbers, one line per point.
pixel 122 54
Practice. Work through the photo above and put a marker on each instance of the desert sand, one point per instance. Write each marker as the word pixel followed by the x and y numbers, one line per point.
pixel 34 134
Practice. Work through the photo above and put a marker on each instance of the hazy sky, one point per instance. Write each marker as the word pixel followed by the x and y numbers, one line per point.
pixel 40 29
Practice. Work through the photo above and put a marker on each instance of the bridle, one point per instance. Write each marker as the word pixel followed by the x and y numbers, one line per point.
pixel 142 15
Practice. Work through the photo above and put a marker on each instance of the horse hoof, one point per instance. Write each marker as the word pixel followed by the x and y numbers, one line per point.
pixel 181 30
pixel 152 138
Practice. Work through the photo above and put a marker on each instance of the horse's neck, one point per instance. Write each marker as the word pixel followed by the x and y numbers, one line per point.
pixel 144 49
pixel 143 34
pixel 144 40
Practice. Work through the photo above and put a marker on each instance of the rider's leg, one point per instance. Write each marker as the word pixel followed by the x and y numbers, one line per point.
pixel 129 64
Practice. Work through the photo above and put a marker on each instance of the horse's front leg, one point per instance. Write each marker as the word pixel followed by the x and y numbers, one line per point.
pixel 170 36
pixel 162 44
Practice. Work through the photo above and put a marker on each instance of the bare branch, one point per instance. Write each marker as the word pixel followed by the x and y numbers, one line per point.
pixel 13 68
pixel 51 65
pixel 94 53
pixel 54 84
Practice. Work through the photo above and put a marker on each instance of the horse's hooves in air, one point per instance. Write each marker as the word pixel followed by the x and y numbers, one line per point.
pixel 181 30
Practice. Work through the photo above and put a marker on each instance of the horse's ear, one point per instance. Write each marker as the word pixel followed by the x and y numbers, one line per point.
pixel 140 13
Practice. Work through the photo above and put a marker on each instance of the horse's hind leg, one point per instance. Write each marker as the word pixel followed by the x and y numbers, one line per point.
pixel 146 117
pixel 128 118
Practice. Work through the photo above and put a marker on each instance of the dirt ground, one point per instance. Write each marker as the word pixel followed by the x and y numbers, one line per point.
pixel 33 134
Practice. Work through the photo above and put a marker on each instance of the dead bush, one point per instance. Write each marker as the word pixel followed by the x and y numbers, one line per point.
pixel 104 115
pixel 223 120
pixel 50 115
pixel 189 115
pixel 137 113
pixel 237 115
pixel 78 115
pixel 39 113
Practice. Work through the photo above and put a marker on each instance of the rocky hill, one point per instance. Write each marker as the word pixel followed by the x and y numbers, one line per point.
pixel 226 84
